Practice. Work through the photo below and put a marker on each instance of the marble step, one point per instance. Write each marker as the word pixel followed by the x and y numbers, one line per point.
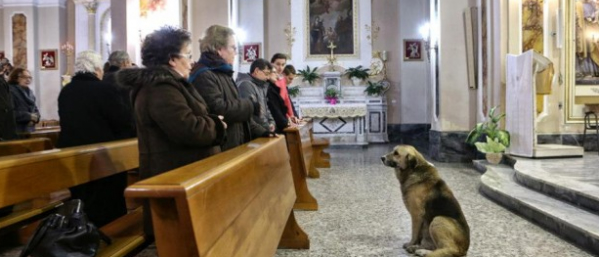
pixel 561 186
pixel 568 221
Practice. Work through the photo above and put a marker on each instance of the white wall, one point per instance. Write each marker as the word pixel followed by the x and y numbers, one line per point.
pixel 457 103
pixel 252 21
pixel 414 84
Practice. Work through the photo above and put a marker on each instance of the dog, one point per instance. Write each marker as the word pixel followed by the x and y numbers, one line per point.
pixel 439 228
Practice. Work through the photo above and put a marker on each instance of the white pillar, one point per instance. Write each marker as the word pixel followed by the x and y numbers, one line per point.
pixel 91 6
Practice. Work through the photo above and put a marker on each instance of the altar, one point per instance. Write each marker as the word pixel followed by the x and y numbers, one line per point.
pixel 355 119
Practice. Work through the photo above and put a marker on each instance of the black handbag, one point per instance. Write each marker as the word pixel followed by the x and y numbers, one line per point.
pixel 67 233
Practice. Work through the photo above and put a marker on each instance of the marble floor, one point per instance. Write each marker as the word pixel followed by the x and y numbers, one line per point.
pixel 361 214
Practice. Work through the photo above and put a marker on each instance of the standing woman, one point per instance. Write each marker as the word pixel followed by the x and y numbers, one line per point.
pixel 212 76
pixel 25 110
pixel 174 126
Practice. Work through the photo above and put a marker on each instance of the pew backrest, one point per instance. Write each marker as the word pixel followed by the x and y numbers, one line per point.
pixel 236 203
pixel 26 176
pixel 13 147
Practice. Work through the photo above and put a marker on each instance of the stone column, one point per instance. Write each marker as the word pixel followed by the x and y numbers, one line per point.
pixel 91 6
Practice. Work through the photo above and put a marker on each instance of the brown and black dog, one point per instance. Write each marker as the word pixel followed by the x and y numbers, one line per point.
pixel 439 228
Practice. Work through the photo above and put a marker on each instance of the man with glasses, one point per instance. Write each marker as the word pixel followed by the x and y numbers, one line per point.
pixel 254 86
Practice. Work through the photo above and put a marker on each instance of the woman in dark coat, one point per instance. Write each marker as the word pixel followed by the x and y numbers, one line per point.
pixel 7 116
pixel 212 77
pixel 174 126
pixel 91 111
pixel 24 107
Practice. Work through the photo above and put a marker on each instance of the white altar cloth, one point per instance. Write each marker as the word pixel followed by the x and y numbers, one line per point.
pixel 333 110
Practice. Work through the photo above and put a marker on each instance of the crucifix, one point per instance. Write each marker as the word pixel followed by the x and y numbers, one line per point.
pixel 332 58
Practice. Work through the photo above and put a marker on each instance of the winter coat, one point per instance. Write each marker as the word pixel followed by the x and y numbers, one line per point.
pixel 277 107
pixel 212 77
pixel 252 88
pixel 174 126
pixel 7 116
pixel 24 106
pixel 90 112
pixel 124 93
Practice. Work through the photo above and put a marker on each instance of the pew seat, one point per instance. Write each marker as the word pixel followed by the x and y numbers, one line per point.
pixel 320 158
pixel 29 176
pixel 237 203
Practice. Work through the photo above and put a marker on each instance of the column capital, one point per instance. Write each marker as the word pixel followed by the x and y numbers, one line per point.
pixel 90 5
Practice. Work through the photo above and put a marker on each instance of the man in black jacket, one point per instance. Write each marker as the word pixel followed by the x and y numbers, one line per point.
pixel 254 86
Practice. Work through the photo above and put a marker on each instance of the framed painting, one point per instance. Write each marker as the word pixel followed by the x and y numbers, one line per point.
pixel 412 50
pixel 250 52
pixel 331 23
pixel 49 59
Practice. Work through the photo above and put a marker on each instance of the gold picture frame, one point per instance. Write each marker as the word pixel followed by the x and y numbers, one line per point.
pixel 336 23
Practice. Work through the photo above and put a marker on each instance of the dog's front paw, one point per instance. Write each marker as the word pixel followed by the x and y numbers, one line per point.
pixel 411 248
pixel 422 252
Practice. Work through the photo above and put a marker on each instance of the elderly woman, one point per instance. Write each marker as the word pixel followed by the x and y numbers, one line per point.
pixel 25 110
pixel 91 111
pixel 212 77
pixel 174 126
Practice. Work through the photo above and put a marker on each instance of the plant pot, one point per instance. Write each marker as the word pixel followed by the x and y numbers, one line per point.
pixel 356 81
pixel 494 158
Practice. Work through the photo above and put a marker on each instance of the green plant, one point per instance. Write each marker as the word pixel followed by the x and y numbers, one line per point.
pixel 490 129
pixel 308 74
pixel 491 146
pixel 293 91
pixel 357 72
pixel 374 88
pixel 331 94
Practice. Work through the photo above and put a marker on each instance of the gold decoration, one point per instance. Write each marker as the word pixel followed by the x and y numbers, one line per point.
pixel 374 32
pixel 290 34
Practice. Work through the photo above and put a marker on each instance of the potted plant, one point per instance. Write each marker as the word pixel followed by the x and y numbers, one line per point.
pixel 497 139
pixel 293 91
pixel 357 74
pixel 375 88
pixel 331 94
pixel 309 75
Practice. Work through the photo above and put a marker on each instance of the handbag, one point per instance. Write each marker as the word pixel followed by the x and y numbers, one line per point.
pixel 67 233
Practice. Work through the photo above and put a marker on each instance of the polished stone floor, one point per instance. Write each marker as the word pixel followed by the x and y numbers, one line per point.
pixel 361 213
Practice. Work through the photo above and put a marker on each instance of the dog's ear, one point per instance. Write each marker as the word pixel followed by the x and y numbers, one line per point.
pixel 411 160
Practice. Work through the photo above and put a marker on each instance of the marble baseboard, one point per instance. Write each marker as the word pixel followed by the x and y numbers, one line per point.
pixel 450 147
pixel 590 144
pixel 410 134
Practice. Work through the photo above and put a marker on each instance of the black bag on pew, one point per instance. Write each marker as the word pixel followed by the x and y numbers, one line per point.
pixel 66 233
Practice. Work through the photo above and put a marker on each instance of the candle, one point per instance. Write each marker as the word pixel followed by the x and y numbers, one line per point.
pixel 384 55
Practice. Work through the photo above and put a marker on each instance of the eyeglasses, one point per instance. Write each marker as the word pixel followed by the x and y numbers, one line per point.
pixel 26 77
pixel 266 72
pixel 188 56
pixel 234 47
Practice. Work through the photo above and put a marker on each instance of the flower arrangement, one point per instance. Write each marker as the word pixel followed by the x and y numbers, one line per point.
pixel 331 94
pixel 358 72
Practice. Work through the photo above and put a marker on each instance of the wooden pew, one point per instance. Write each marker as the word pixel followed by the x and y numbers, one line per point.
pixel 300 152
pixel 28 176
pixel 237 203
pixel 51 133
pixel 320 158
pixel 13 147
